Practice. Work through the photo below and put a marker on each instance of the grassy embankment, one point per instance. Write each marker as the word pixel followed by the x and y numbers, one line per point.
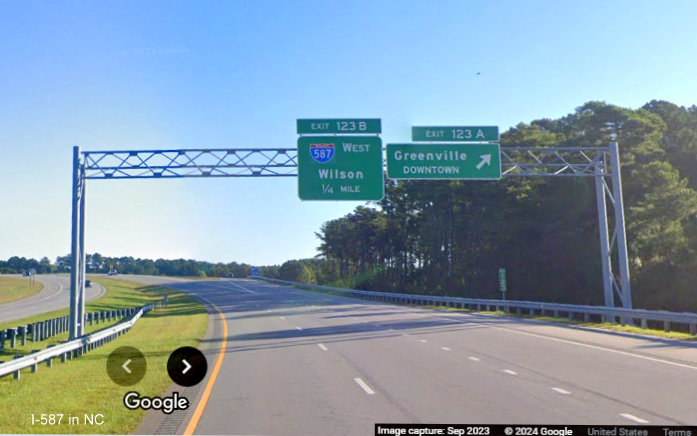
pixel 81 386
pixel 15 288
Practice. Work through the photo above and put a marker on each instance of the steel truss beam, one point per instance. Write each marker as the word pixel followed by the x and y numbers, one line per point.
pixel 239 162
pixel 598 162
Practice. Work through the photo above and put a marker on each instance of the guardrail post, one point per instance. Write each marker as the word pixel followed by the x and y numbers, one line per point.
pixel 17 374
pixel 586 317
pixel 666 326
pixel 571 316
pixel 2 339
pixel 23 335
pixel 12 333
pixel 693 329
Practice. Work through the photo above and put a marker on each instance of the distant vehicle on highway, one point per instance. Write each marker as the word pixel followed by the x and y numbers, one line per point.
pixel 25 273
pixel 88 283
pixel 112 272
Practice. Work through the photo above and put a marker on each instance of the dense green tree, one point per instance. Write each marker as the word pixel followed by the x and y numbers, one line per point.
pixel 451 237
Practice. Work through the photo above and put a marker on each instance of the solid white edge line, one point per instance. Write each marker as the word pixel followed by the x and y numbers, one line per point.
pixel 510 371
pixel 561 391
pixel 594 347
pixel 322 347
pixel 364 386
pixel 634 418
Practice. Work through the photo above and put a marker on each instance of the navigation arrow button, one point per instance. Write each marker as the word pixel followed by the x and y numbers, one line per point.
pixel 187 366
pixel 125 366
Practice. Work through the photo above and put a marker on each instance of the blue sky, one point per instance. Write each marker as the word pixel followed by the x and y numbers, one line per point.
pixel 144 75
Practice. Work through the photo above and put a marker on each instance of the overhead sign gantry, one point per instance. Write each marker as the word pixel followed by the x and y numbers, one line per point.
pixel 600 163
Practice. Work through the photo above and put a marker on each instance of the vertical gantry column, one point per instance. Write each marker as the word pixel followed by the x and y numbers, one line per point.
pixel 83 268
pixel 620 231
pixel 75 294
pixel 605 252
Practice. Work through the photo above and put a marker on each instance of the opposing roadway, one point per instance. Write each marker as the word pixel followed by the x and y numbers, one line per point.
pixel 55 295
pixel 305 363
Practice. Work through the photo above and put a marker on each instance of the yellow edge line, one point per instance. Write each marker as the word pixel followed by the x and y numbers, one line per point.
pixel 211 381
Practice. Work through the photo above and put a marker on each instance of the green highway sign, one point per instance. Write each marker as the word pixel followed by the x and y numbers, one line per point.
pixel 455 134
pixel 339 126
pixel 340 168
pixel 502 279
pixel 444 161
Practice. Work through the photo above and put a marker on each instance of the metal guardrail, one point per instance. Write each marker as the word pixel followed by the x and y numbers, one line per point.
pixel 74 348
pixel 41 330
pixel 607 314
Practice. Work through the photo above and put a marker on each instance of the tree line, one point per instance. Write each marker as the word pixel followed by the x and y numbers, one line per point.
pixel 451 237
pixel 96 263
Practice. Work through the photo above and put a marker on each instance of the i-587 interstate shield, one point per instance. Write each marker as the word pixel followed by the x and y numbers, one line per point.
pixel 340 168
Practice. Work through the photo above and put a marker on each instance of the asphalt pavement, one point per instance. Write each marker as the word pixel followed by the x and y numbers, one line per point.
pixel 305 363
pixel 55 295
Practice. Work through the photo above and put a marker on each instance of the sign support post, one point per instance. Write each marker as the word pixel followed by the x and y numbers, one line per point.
pixel 77 283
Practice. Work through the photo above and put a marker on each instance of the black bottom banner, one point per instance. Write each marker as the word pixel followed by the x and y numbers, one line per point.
pixel 533 430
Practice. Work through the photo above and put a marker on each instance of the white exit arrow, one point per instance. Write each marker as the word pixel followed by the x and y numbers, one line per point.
pixel 486 160
pixel 188 367
pixel 125 366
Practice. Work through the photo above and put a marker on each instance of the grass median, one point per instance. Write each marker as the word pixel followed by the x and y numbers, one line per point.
pixel 82 387
pixel 15 288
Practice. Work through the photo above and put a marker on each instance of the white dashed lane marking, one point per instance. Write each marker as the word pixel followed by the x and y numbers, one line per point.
pixel 364 386
pixel 634 418
pixel 445 348
pixel 510 371
pixel 322 347
pixel 561 391
pixel 476 359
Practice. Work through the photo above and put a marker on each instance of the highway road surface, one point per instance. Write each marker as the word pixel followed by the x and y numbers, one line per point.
pixel 55 295
pixel 304 363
